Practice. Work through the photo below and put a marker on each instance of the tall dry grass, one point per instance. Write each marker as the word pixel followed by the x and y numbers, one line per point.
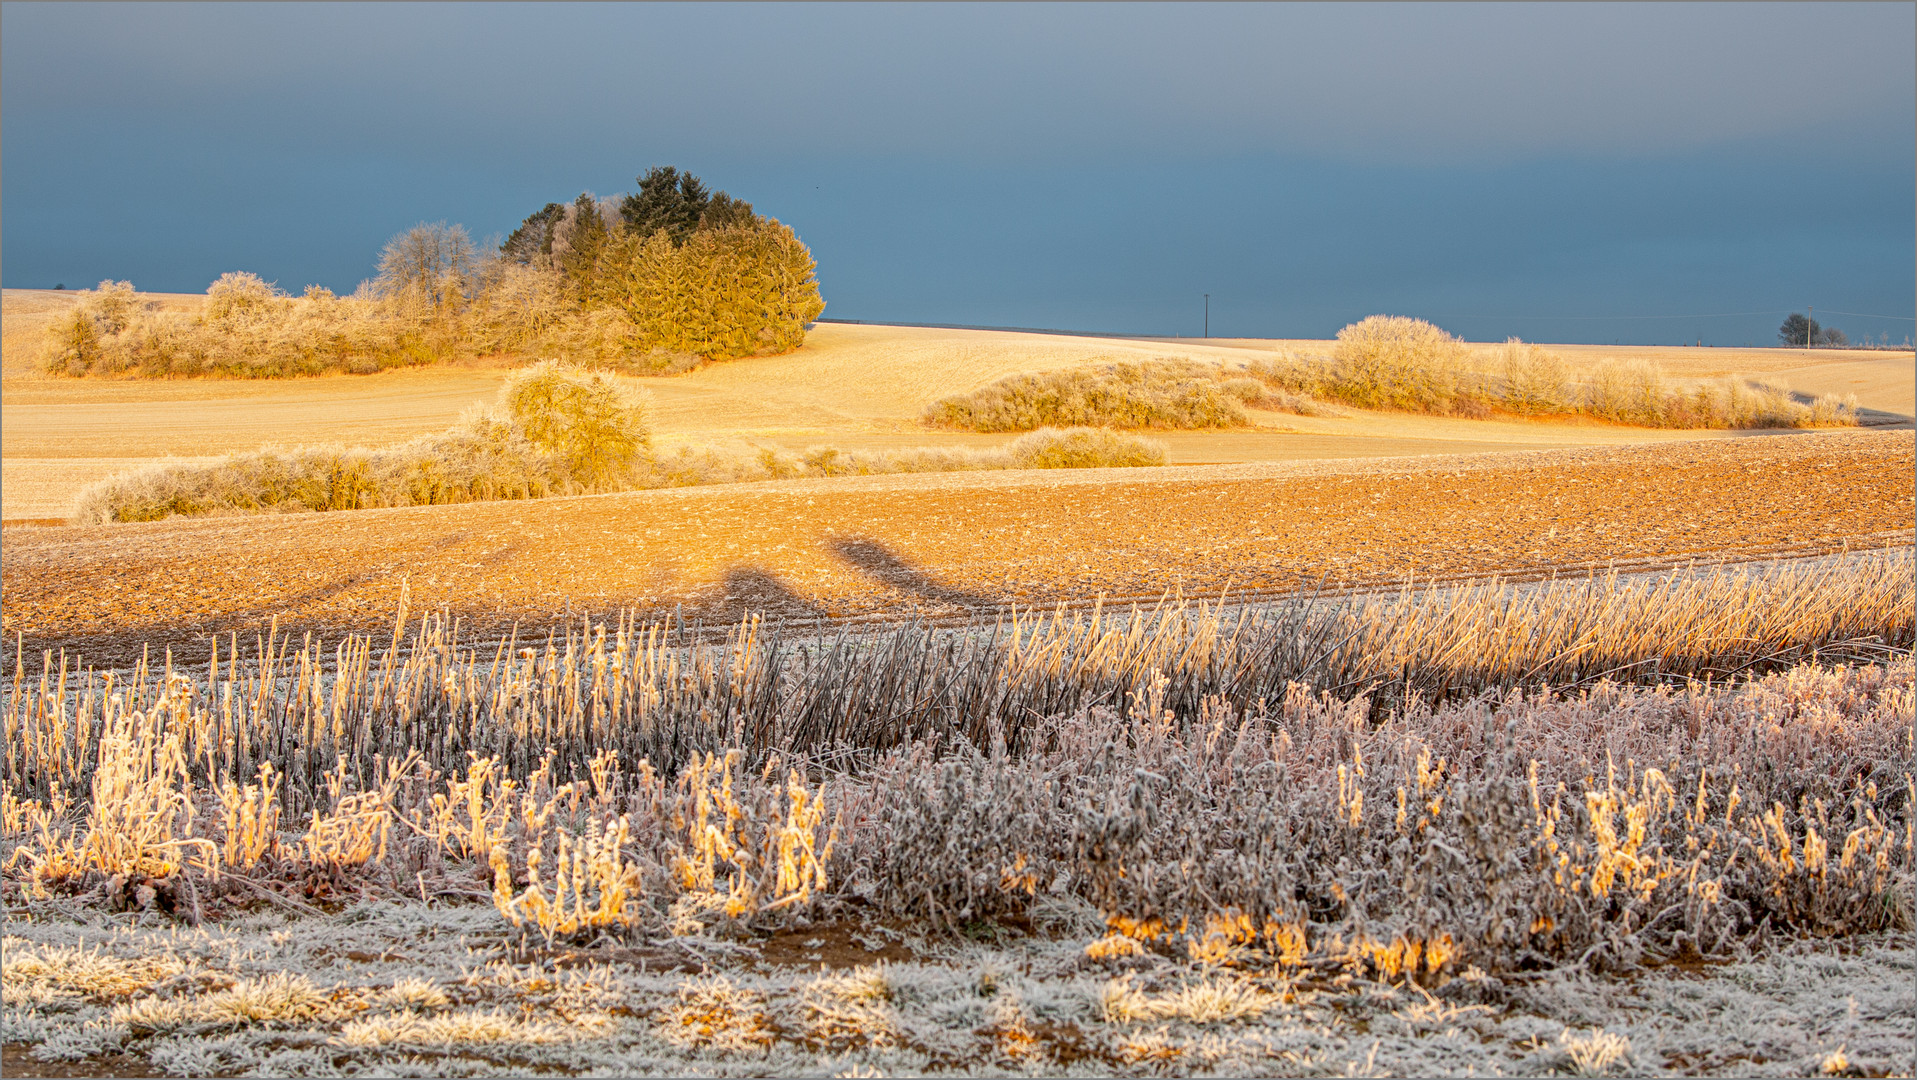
pixel 665 691
pixel 1219 784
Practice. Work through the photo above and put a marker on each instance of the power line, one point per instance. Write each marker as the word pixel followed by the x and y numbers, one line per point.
pixel 1714 315
pixel 1867 315
pixel 1710 315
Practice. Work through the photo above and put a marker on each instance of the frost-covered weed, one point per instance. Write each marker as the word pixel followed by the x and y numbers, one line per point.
pixel 1168 774
pixel 276 999
pixel 36 976
pixel 1594 1053
pixel 714 1012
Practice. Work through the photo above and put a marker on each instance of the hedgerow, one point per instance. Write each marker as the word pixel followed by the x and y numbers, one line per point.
pixel 1409 365
pixel 556 430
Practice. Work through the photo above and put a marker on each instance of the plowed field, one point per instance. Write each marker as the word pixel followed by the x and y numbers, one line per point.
pixel 953 544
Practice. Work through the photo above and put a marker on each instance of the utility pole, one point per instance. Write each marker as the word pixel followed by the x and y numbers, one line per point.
pixel 1809 323
pixel 1207 314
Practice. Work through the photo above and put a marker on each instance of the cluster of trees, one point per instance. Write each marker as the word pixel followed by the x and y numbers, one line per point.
pixel 1802 331
pixel 656 282
pixel 690 270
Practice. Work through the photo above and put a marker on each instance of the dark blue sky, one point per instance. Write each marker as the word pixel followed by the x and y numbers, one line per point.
pixel 1499 169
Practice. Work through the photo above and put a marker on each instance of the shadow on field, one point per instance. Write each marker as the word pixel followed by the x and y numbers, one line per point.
pixel 748 588
pixel 877 562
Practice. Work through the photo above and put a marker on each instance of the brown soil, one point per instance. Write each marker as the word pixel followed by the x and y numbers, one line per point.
pixel 16 1059
pixel 831 946
pixel 947 545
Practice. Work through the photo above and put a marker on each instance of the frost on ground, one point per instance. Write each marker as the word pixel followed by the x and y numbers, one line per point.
pixel 403 989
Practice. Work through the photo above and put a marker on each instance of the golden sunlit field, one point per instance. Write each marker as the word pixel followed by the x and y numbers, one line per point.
pixel 854 386
pixel 1346 743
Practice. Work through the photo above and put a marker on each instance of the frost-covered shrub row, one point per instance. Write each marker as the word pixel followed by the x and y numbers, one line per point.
pixel 1393 362
pixel 555 431
pixel 1165 393
pixel 1046 448
pixel 1383 362
pixel 641 302
pixel 247 329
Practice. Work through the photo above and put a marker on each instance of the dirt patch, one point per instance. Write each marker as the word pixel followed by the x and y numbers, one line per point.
pixel 833 946
pixel 935 546
pixel 16 1059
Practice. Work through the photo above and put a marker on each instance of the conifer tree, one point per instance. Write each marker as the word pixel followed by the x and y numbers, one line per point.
pixel 680 204
pixel 582 236
pixel 531 243
pixel 724 212
pixel 747 290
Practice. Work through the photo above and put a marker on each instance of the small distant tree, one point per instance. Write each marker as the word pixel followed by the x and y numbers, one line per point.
pixel 1535 381
pixel 433 264
pixel 1797 330
pixel 726 212
pixel 76 344
pixel 1801 330
pixel 112 305
pixel 1395 362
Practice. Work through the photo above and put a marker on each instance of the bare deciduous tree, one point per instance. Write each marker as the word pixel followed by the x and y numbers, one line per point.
pixel 431 263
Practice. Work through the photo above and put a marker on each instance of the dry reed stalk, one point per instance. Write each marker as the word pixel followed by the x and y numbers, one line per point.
pixel 659 693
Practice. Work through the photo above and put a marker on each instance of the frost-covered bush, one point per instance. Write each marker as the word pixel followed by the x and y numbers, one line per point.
pixel 557 431
pixel 1125 394
pixel 1084 448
